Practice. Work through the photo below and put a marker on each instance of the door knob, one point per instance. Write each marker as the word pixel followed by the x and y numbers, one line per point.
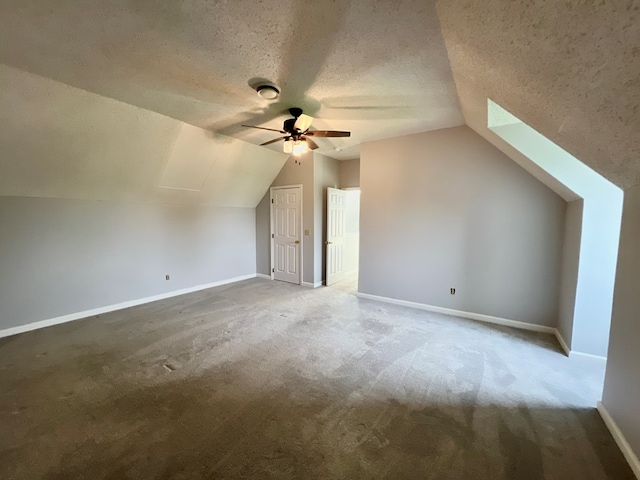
pixel 328 243
pixel 297 241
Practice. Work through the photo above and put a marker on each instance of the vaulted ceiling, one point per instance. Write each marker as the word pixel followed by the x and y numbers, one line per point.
pixel 380 69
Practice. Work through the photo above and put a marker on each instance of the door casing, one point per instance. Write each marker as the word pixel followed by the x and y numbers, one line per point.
pixel 335 241
pixel 272 232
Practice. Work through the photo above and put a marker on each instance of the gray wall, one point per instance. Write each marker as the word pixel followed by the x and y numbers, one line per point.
pixel 569 269
pixel 326 174
pixel 350 173
pixel 66 256
pixel 316 173
pixel 621 394
pixel 292 173
pixel 263 247
pixel 447 209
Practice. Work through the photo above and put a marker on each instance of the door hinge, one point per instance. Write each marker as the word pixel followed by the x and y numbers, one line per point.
pixel 272 236
pixel 273 270
pixel 272 200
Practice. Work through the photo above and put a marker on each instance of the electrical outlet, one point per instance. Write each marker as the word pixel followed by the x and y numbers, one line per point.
pixel 166 277
pixel 453 291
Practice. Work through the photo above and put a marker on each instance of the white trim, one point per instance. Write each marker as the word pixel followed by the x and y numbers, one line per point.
pixel 574 354
pixel 271 231
pixel 262 275
pixel 311 285
pixel 118 306
pixel 459 313
pixel 618 436
pixel 562 343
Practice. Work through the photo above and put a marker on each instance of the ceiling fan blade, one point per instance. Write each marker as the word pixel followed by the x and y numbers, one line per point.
pixel 303 122
pixel 263 128
pixel 312 145
pixel 274 140
pixel 328 133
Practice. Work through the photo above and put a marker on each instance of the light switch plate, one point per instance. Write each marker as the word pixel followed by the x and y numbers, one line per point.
pixel 307 233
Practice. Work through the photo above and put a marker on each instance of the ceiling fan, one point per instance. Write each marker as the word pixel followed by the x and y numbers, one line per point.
pixel 296 133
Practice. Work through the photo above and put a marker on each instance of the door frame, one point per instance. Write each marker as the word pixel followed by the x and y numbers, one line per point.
pixel 327 243
pixel 272 231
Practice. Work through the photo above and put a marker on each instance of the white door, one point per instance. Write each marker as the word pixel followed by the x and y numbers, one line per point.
pixel 335 235
pixel 286 234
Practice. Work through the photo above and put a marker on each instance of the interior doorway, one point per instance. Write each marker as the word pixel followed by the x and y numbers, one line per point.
pixel 343 237
pixel 286 234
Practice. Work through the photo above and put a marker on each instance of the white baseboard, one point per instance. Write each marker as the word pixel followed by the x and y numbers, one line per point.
pixel 562 343
pixel 118 306
pixel 262 275
pixel 574 354
pixel 618 436
pixel 311 285
pixel 459 313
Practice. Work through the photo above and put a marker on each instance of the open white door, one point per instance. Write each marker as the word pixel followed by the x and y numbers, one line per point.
pixel 335 242
pixel 286 234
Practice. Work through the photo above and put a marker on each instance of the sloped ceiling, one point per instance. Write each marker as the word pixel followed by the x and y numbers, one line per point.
pixel 570 70
pixel 377 68
pixel 57 141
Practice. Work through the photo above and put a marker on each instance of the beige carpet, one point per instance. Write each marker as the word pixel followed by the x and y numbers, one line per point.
pixel 268 380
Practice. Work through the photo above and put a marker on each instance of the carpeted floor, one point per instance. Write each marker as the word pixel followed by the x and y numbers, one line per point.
pixel 268 380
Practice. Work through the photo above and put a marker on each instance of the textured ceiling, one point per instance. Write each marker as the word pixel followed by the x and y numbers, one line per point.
pixel 376 68
pixel 570 70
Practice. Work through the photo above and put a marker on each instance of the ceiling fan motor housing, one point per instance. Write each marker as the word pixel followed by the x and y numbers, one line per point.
pixel 298 133
pixel 295 112
pixel 289 124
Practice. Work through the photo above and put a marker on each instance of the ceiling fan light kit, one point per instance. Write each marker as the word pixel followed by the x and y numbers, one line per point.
pixel 295 147
pixel 300 146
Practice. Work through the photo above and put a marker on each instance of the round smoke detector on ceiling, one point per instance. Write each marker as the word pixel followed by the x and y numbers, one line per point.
pixel 268 92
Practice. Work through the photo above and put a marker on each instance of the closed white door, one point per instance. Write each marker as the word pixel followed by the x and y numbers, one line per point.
pixel 335 235
pixel 286 234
